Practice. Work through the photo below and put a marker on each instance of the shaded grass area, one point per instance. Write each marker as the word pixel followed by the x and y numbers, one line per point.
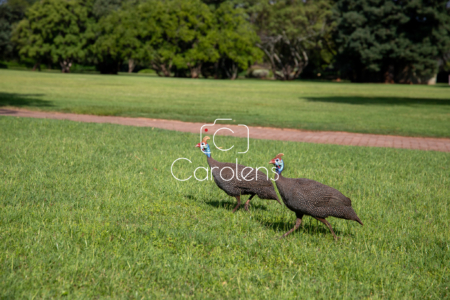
pixel 23 100
pixel 92 210
pixel 366 108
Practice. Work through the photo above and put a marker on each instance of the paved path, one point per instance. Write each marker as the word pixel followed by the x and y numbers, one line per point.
pixel 322 137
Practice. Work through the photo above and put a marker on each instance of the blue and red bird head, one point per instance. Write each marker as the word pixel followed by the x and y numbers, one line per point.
pixel 278 162
pixel 203 145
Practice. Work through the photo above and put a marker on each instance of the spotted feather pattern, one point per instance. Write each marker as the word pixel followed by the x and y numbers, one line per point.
pixel 255 182
pixel 309 197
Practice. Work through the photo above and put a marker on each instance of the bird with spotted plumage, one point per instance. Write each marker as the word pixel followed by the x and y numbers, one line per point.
pixel 309 197
pixel 237 180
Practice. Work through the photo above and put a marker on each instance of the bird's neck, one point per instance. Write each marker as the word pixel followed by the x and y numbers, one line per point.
pixel 280 170
pixel 208 152
pixel 211 161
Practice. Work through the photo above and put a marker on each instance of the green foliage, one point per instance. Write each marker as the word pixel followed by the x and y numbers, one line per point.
pixel 117 39
pixel 92 211
pixel 389 41
pixel 290 30
pixel 53 30
pixel 18 5
pixel 169 34
pixel 102 8
pixel 147 71
pixel 235 39
pixel 6 19
pixel 189 34
pixel 11 12
pixel 178 37
pixel 366 108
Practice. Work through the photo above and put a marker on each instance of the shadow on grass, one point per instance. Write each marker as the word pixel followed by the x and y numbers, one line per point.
pixel 380 100
pixel 229 205
pixel 309 225
pixel 19 100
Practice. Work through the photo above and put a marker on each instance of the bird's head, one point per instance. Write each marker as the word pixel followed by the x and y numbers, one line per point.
pixel 278 162
pixel 203 145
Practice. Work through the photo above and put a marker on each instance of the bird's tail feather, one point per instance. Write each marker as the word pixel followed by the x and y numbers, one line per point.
pixel 358 220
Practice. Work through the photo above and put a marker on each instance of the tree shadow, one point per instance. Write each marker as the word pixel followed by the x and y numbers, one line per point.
pixel 309 225
pixel 229 205
pixel 19 100
pixel 380 100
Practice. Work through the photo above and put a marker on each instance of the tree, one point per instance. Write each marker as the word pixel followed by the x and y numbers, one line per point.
pixel 117 40
pixel 392 40
pixel 102 8
pixel 174 36
pixel 289 30
pixel 54 30
pixel 11 12
pixel 235 39
pixel 7 18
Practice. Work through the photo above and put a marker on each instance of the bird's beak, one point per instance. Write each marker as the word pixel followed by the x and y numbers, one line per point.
pixel 198 145
pixel 272 161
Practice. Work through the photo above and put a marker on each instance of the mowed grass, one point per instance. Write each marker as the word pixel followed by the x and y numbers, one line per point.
pixel 368 108
pixel 92 211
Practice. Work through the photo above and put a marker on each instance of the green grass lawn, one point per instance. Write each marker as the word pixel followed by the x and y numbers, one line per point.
pixel 367 108
pixel 92 211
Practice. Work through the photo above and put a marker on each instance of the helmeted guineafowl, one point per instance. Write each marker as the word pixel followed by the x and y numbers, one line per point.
pixel 237 180
pixel 308 197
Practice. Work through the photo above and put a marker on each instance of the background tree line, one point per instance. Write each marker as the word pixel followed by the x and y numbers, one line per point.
pixel 363 40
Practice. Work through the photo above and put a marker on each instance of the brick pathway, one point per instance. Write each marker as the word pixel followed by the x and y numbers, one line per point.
pixel 322 137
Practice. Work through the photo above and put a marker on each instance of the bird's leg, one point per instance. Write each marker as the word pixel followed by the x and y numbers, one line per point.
pixel 248 202
pixel 238 203
pixel 296 226
pixel 329 226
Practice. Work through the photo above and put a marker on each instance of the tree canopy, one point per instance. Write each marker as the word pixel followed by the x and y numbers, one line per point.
pixel 54 30
pixel 179 37
pixel 11 12
pixel 290 30
pixel 365 40
pixel 392 40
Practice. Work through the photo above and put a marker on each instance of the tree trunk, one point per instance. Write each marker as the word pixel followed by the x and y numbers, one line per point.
pixel 37 66
pixel 165 70
pixel 161 70
pixel 232 72
pixel 130 65
pixel 389 74
pixel 65 65
pixel 285 56
pixel 216 70
pixel 195 70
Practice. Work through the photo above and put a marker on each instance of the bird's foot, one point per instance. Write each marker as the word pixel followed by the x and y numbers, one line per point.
pixel 246 207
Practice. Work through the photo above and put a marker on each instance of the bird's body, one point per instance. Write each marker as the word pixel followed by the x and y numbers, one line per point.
pixel 237 180
pixel 315 199
pixel 246 181
pixel 309 197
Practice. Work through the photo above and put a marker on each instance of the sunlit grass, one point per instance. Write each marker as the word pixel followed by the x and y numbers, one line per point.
pixel 92 211
pixel 368 108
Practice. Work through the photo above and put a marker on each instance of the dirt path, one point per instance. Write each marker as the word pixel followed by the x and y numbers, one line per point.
pixel 322 137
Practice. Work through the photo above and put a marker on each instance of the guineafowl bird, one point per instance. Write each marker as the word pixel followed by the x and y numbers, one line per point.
pixel 308 197
pixel 237 180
